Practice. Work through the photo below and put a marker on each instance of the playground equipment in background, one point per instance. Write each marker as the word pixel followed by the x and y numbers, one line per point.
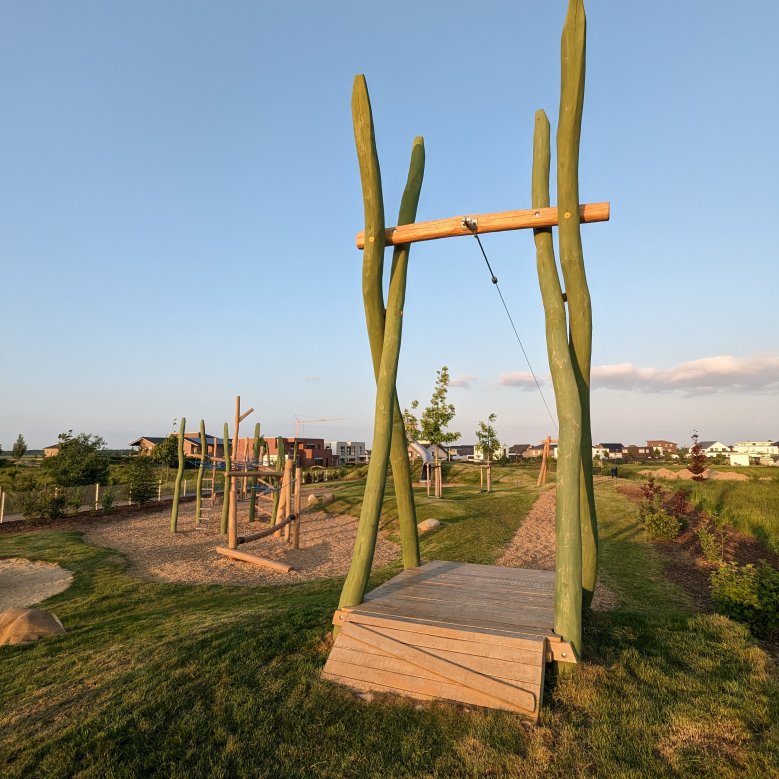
pixel 431 469
pixel 429 631
pixel 544 461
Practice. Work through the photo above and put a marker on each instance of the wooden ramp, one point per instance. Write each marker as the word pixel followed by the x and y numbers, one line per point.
pixel 474 634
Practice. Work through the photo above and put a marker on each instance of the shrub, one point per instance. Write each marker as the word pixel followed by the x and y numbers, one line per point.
pixel 142 475
pixel 42 504
pixel 712 546
pixel 748 594
pixel 679 505
pixel 659 524
pixel 107 501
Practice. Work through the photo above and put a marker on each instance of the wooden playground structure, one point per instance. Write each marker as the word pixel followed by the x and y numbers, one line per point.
pixel 473 633
pixel 241 477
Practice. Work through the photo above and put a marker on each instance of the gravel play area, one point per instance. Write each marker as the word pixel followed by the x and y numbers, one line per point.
pixel 189 556
pixel 27 582
pixel 533 546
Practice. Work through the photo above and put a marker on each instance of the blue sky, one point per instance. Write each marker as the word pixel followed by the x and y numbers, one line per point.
pixel 180 197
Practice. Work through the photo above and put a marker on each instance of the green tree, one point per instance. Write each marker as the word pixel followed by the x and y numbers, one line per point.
pixel 80 459
pixel 167 452
pixel 437 416
pixel 141 475
pixel 20 448
pixel 411 423
pixel 487 438
pixel 698 460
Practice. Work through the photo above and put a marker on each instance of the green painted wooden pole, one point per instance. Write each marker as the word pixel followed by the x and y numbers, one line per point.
pixel 568 559
pixel 227 481
pixel 365 543
pixel 200 471
pixel 373 300
pixel 572 67
pixel 281 459
pixel 174 512
pixel 253 480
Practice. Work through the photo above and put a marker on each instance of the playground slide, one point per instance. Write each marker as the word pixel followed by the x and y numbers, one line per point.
pixel 421 451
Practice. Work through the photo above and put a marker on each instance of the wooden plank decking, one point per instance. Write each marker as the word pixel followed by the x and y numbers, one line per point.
pixel 474 634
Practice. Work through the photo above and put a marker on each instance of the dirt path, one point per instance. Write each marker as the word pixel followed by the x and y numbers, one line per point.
pixel 326 542
pixel 533 546
pixel 27 582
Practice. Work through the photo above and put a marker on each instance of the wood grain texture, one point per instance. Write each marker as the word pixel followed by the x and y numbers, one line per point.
pixel 237 554
pixel 486 223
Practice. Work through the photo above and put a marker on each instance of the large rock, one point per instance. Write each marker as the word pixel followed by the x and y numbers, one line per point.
pixel 313 500
pixel 328 497
pixel 18 626
pixel 427 525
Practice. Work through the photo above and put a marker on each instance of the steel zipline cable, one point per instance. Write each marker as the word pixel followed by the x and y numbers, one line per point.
pixel 513 326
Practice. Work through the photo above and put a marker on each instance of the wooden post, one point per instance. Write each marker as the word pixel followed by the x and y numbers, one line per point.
pixel 213 478
pixel 453 226
pixel 159 490
pixel 489 477
pixel 569 125
pixel 232 520
pixel 367 529
pixel 174 511
pixel 298 491
pixel 184 489
pixel 200 471
pixel 481 478
pixel 227 480
pixel 97 496
pixel 568 562
pixel 284 507
pixel 253 480
pixel 2 505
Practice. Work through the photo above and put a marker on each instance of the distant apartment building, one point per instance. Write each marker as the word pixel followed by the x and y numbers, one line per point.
pixel 349 452
pixel 758 451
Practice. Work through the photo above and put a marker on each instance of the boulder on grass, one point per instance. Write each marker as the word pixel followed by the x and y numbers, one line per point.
pixel 428 525
pixel 312 500
pixel 18 626
pixel 328 497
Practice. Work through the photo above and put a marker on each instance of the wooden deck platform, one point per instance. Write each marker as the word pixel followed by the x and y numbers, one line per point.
pixel 474 634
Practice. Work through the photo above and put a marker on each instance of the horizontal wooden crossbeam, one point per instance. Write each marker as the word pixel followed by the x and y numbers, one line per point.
pixel 485 223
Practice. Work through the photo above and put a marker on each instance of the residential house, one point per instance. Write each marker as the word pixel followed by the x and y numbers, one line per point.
pixel 460 452
pixel 307 452
pixel 663 447
pixel 51 451
pixel 214 446
pixel 636 453
pixel 478 455
pixel 714 448
pixel 517 451
pixel 538 450
pixel 758 450
pixel 613 451
pixel 349 452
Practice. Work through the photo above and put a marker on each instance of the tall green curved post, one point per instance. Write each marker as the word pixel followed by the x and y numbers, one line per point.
pixel 174 512
pixel 227 481
pixel 253 480
pixel 568 563
pixel 572 68
pixel 373 297
pixel 200 471
pixel 365 543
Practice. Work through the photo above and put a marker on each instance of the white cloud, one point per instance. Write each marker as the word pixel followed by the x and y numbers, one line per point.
pixel 519 379
pixel 706 375
pixel 313 379
pixel 464 382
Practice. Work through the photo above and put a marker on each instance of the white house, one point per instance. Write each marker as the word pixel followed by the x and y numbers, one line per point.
pixel 758 450
pixel 350 452
pixel 714 448
pixel 478 455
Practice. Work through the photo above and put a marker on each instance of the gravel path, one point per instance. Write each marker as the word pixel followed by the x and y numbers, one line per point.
pixel 326 543
pixel 533 546
pixel 26 582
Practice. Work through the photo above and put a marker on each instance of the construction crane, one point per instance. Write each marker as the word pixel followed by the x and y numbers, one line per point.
pixel 302 421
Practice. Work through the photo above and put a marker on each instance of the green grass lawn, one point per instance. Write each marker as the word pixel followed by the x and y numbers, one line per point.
pixel 186 681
